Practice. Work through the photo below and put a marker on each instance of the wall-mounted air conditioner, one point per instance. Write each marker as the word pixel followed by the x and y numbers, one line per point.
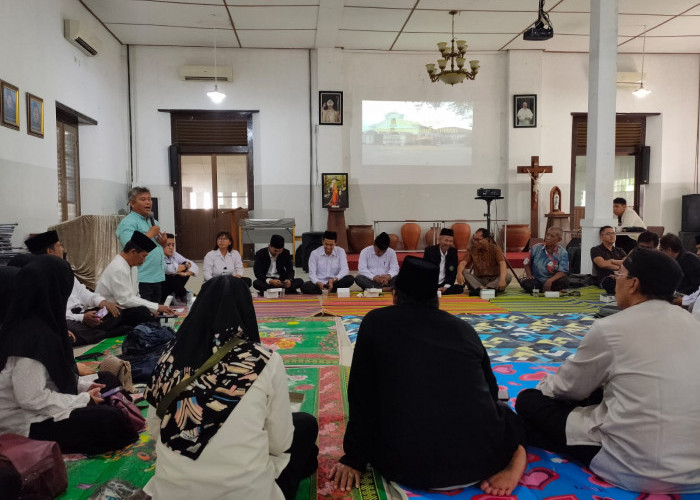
pixel 206 73
pixel 77 34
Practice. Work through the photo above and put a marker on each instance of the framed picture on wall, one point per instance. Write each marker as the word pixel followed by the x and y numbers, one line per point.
pixel 335 190
pixel 524 111
pixel 10 105
pixel 35 115
pixel 330 108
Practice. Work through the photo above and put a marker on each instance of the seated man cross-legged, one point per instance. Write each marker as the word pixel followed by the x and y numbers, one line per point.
pixel 487 262
pixel 626 403
pixel 648 240
pixel 328 267
pixel 378 266
pixel 458 433
pixel 273 267
pixel 547 266
pixel 607 259
pixel 445 256
pixel 177 271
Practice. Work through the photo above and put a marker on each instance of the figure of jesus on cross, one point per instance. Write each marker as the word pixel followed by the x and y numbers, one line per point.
pixel 535 171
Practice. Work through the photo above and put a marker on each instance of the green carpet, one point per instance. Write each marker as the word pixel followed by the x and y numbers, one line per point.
pixel 308 341
pixel 515 300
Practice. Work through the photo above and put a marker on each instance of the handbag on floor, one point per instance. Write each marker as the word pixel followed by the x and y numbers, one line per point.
pixel 31 469
pixel 130 411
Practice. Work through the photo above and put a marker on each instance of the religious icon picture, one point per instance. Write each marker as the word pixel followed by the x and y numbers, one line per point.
pixel 335 190
pixel 35 115
pixel 10 105
pixel 330 108
pixel 524 111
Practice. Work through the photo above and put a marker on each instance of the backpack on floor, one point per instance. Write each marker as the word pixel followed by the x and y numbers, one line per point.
pixel 143 347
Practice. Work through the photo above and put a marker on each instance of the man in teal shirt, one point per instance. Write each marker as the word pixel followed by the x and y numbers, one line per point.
pixel 151 272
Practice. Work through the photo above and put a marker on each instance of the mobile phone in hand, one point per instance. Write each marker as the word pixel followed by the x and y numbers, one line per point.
pixel 101 313
pixel 111 392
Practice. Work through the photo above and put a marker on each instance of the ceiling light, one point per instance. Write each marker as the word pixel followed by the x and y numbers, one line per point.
pixel 452 75
pixel 215 95
pixel 641 91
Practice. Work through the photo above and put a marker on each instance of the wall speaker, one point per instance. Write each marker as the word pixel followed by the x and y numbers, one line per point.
pixel 309 242
pixel 688 240
pixel 690 218
pixel 174 164
pixel 645 154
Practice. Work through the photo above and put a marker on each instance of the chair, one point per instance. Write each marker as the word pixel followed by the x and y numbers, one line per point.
pixel 658 230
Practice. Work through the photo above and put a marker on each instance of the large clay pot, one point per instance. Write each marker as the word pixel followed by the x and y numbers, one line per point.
pixel 516 236
pixel 462 233
pixel 410 234
pixel 431 233
pixel 393 241
pixel 359 237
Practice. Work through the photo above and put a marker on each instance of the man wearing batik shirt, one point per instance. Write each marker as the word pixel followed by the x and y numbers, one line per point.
pixel 547 267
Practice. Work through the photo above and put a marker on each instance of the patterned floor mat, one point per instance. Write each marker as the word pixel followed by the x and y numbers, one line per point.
pixel 515 300
pixel 454 304
pixel 302 341
pixel 289 306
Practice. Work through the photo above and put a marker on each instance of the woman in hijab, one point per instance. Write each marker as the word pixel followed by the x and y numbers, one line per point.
pixel 230 433
pixel 41 394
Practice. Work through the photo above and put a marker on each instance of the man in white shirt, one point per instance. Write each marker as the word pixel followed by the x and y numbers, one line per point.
pixel 626 402
pixel 86 319
pixel 626 217
pixel 328 267
pixel 378 265
pixel 177 271
pixel 119 282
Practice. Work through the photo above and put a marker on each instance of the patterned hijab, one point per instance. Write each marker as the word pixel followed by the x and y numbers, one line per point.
pixel 223 310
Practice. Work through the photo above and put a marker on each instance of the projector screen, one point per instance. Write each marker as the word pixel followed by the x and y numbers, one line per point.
pixel 417 133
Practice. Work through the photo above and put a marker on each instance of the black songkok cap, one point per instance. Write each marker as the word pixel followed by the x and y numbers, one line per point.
pixel 658 274
pixel 142 241
pixel 382 241
pixel 447 232
pixel 277 241
pixel 330 235
pixel 41 241
pixel 418 278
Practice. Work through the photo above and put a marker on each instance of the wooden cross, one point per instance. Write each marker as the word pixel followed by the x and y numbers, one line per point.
pixel 535 171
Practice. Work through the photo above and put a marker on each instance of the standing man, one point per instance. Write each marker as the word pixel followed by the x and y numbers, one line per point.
pixel 178 271
pixel 120 283
pixel 671 245
pixel 458 433
pixel 152 271
pixel 273 268
pixel 487 262
pixel 444 255
pixel 378 265
pixel 607 259
pixel 328 267
pixel 86 319
pixel 547 266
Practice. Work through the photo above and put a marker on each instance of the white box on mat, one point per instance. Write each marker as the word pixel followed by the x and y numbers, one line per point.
pixel 343 293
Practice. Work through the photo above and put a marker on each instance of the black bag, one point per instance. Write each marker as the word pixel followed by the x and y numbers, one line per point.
pixel 579 280
pixel 143 347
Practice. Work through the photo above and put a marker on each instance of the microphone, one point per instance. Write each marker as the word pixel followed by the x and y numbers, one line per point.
pixel 150 218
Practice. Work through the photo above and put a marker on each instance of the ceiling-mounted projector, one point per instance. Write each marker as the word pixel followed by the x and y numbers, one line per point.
pixel 543 29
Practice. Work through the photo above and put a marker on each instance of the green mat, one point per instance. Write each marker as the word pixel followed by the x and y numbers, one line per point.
pixel 308 341
pixel 515 300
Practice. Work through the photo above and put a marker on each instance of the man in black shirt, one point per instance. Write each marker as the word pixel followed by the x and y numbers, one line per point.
pixel 607 259
pixel 423 401
pixel 671 245
pixel 273 267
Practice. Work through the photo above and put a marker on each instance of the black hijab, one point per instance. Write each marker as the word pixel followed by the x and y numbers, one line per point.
pixel 224 303
pixel 7 289
pixel 35 323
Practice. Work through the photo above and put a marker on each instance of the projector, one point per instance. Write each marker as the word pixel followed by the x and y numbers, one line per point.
pixel 488 192
pixel 538 33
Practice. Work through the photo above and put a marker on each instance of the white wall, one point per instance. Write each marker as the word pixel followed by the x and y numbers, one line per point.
pixel 37 59
pixel 274 82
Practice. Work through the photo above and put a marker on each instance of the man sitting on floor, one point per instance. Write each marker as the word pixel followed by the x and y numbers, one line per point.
pixel 82 318
pixel 177 271
pixel 626 404
pixel 378 266
pixel 607 259
pixel 273 267
pixel 672 246
pixel 648 240
pixel 458 433
pixel 444 255
pixel 119 282
pixel 328 267
pixel 547 266
pixel 488 265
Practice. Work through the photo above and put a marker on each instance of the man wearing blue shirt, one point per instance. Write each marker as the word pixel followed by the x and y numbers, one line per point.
pixel 151 273
pixel 547 267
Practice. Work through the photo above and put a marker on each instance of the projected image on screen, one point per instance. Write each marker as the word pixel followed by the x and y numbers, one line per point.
pixel 417 133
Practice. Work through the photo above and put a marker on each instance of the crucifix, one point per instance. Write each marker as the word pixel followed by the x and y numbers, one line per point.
pixel 535 171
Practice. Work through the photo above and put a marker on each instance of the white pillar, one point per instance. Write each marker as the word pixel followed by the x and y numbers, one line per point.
pixel 600 147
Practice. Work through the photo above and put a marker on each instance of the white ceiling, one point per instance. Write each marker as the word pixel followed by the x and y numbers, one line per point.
pixel 672 26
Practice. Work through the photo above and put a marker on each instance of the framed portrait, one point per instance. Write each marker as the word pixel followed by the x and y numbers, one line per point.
pixel 524 111
pixel 9 117
pixel 335 190
pixel 330 108
pixel 35 115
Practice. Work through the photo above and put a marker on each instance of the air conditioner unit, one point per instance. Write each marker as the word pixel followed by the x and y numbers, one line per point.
pixel 629 78
pixel 206 73
pixel 77 34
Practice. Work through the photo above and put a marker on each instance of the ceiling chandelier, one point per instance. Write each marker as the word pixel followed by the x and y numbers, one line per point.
pixel 641 91
pixel 455 58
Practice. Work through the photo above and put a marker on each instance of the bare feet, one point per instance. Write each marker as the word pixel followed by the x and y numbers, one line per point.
pixel 504 482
